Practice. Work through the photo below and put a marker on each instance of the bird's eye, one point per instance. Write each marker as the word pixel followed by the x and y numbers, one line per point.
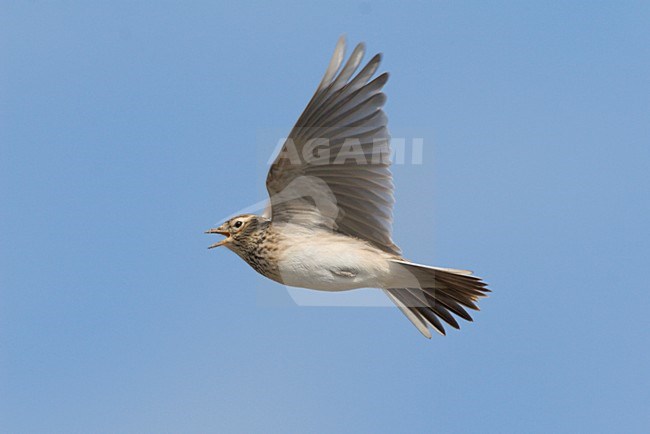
pixel 238 224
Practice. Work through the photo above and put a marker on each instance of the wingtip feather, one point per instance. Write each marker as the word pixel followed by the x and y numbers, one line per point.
pixel 335 63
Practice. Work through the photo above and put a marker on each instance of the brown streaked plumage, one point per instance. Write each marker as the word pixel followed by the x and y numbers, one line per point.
pixel 329 219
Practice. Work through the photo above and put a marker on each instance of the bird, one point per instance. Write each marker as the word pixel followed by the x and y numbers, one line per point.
pixel 328 223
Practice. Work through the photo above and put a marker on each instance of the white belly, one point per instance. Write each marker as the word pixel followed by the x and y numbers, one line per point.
pixel 331 262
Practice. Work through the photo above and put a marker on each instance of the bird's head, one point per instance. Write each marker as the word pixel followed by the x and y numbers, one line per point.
pixel 239 231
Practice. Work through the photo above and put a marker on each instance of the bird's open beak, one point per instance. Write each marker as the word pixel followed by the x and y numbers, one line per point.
pixel 220 232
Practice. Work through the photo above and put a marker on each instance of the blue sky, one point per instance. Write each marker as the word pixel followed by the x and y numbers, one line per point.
pixel 128 128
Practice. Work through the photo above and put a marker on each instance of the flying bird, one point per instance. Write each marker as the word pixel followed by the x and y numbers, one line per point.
pixel 327 225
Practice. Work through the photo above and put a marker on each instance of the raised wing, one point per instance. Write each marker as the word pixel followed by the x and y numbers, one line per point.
pixel 334 170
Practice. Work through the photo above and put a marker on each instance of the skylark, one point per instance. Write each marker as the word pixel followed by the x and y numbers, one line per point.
pixel 327 225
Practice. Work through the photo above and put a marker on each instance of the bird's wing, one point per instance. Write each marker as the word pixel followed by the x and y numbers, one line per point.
pixel 334 169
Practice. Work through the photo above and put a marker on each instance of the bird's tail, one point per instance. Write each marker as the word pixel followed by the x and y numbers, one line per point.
pixel 432 294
